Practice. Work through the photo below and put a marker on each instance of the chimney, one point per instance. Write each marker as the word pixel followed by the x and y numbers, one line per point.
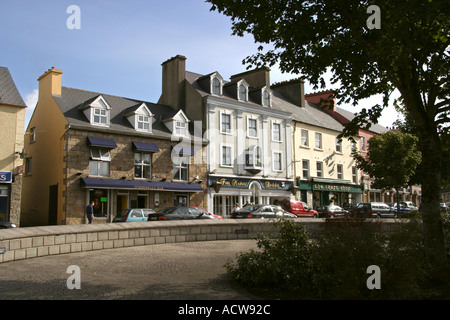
pixel 293 89
pixel 173 76
pixel 50 82
pixel 257 78
pixel 324 99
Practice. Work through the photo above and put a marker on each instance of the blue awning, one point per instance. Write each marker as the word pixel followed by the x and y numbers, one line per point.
pixel 139 184
pixel 183 151
pixel 101 142
pixel 145 147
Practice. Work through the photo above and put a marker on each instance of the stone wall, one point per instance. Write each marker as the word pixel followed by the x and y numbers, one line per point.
pixel 26 243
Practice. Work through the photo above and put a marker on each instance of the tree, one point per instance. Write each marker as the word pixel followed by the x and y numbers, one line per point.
pixel 391 161
pixel 395 45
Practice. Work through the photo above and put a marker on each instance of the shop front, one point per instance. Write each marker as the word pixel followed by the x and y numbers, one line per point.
pixel 225 192
pixel 5 195
pixel 322 192
pixel 110 196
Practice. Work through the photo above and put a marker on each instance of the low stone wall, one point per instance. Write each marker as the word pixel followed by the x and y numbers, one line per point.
pixel 32 242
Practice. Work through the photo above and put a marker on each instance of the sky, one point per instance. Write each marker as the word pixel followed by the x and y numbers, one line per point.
pixel 117 46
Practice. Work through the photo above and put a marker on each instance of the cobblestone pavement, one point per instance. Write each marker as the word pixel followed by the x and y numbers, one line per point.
pixel 179 271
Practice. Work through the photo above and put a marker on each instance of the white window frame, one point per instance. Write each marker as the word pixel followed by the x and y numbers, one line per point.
pixel 251 153
pixel 33 135
pixel 100 116
pixel 103 156
pixel 363 144
pixel 227 113
pixel 242 95
pixel 266 98
pixel 183 164
pixel 340 171
pixel 354 175
pixel 306 145
pixel 214 80
pixel 230 150
pixel 275 124
pixel 305 161
pixel 180 127
pixel 318 135
pixel 276 161
pixel 143 120
pixel 251 118
pixel 142 164
pixel 319 172
pixel 338 145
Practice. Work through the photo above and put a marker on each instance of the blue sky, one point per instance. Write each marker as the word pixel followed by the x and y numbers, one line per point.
pixel 121 45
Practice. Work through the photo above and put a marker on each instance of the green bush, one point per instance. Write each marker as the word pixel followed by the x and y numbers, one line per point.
pixel 334 264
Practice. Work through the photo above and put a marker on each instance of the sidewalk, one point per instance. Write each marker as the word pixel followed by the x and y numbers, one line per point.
pixel 178 271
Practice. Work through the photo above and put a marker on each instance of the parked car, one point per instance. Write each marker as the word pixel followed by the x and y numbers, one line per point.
pixel 177 213
pixel 373 209
pixel 7 225
pixel 133 215
pixel 299 208
pixel 332 211
pixel 207 213
pixel 404 209
pixel 264 211
pixel 444 207
pixel 410 205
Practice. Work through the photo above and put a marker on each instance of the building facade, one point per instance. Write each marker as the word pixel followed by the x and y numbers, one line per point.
pixel 118 152
pixel 249 155
pixel 12 118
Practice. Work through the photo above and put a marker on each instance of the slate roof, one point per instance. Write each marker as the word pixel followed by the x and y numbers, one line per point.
pixel 376 128
pixel 71 100
pixel 312 114
pixel 8 90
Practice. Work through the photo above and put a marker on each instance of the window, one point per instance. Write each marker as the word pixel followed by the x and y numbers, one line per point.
pixel 180 127
pixel 305 165
pixel 143 123
pixel 338 145
pixel 363 144
pixel 277 161
pixel 143 165
pixel 354 175
pixel 276 131
pixel 319 167
pixel 305 139
pixel 32 135
pixel 28 166
pixel 100 116
pixel 266 98
pixel 225 123
pixel 216 86
pixel 340 172
pixel 180 169
pixel 252 128
pixel 253 157
pixel 242 93
pixel 99 163
pixel 318 140
pixel 226 156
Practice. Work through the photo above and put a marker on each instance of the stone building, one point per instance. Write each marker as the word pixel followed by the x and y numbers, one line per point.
pixel 118 152
pixel 12 118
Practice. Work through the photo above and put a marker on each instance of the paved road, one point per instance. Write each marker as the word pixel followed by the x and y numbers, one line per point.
pixel 181 271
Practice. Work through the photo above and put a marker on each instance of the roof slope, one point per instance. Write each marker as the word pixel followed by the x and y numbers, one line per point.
pixel 8 90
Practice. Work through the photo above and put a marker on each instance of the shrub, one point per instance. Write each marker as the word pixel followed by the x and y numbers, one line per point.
pixel 334 264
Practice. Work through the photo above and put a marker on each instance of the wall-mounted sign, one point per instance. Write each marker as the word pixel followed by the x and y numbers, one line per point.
pixel 243 183
pixel 5 176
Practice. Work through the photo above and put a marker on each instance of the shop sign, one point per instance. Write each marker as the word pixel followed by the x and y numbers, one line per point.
pixel 245 183
pixel 316 186
pixel 5 176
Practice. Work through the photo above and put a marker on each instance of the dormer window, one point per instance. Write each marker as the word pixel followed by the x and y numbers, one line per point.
pixel 177 123
pixel 216 85
pixel 97 110
pixel 140 117
pixel 266 98
pixel 242 92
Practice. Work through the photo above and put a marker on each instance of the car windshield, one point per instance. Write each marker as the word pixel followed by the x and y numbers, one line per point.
pixel 250 207
pixel 123 213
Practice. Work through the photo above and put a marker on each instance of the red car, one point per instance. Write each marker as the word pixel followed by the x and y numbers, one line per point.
pixel 207 213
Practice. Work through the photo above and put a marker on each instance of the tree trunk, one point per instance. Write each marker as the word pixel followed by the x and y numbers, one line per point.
pixel 431 187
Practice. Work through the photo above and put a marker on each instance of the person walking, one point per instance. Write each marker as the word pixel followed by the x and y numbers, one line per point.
pixel 236 208
pixel 90 212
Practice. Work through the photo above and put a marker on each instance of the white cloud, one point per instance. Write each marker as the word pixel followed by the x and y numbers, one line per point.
pixel 31 100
